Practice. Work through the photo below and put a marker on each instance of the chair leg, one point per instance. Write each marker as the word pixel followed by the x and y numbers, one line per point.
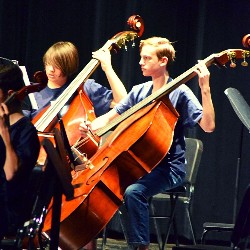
pixel 175 232
pixel 203 236
pixel 191 225
pixel 104 232
pixel 104 238
pixel 122 225
pixel 173 200
pixel 157 230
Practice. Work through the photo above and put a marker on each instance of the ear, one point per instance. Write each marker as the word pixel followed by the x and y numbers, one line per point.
pixel 164 61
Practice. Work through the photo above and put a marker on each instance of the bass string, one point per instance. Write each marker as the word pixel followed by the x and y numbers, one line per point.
pixel 81 142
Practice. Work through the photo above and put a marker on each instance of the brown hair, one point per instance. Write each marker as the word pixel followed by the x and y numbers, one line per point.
pixel 63 55
pixel 163 47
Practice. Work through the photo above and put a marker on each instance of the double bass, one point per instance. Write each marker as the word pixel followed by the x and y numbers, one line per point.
pixel 134 148
pixel 80 107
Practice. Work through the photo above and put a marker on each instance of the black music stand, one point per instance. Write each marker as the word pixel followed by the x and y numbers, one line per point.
pixel 56 180
pixel 58 168
pixel 242 110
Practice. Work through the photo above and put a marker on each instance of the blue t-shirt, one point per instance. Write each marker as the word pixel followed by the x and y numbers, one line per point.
pixel 44 98
pixel 189 109
pixel 100 96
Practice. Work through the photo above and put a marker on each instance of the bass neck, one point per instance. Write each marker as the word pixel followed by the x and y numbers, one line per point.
pixel 164 90
pixel 116 42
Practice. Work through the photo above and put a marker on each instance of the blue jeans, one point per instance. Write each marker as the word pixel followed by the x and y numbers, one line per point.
pixel 136 201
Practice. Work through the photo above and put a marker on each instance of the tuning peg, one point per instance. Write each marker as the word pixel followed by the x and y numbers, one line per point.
pixel 124 44
pixel 232 64
pixel 232 59
pixel 245 63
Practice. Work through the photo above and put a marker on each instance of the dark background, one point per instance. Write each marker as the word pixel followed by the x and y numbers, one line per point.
pixel 199 28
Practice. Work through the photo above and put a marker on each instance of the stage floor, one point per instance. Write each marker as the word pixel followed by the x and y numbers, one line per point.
pixel 114 244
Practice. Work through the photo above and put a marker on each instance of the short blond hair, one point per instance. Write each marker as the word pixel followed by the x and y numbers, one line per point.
pixel 163 47
pixel 63 55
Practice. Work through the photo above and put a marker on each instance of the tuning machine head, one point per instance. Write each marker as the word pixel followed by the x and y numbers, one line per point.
pixel 245 54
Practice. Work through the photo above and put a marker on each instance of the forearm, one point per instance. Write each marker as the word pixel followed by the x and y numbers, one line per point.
pixel 11 162
pixel 207 121
pixel 116 85
pixel 103 120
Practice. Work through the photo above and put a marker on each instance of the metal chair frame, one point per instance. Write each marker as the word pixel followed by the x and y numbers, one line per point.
pixel 183 193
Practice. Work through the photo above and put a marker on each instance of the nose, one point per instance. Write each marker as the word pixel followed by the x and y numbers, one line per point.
pixel 141 61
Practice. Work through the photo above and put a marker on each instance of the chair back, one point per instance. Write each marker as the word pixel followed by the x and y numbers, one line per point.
pixel 194 149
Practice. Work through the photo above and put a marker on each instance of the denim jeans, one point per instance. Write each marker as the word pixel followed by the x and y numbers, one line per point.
pixel 136 201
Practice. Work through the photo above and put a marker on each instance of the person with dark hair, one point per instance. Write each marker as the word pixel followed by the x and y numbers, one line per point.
pixel 19 148
pixel 156 54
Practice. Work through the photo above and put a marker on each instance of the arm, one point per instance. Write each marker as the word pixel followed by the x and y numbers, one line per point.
pixel 115 83
pixel 11 161
pixel 207 121
pixel 98 123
